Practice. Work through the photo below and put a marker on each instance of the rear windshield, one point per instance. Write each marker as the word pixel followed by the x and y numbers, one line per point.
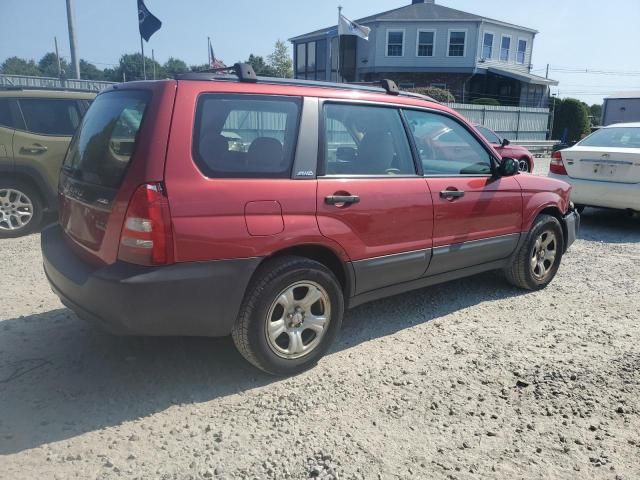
pixel 620 137
pixel 101 151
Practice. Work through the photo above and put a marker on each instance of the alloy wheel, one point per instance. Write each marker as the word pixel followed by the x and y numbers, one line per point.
pixel 297 320
pixel 16 209
pixel 523 165
pixel 544 255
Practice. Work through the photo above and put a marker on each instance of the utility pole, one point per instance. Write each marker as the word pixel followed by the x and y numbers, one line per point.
pixel 55 41
pixel 547 71
pixel 75 62
pixel 153 62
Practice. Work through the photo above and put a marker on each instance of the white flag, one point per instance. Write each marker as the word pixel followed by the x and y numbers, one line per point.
pixel 347 27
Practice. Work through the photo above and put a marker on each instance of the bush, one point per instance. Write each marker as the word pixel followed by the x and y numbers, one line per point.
pixel 486 101
pixel 438 94
pixel 571 120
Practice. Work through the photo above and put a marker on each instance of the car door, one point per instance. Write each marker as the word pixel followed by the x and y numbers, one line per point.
pixel 477 216
pixel 40 144
pixel 370 199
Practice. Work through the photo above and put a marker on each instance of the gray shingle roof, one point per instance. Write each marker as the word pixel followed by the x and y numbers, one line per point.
pixel 418 11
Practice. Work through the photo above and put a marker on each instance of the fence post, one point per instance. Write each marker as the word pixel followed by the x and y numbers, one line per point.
pixel 484 114
pixel 518 126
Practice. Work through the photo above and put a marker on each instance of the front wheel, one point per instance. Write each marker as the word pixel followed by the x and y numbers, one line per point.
pixel 536 263
pixel 524 165
pixel 291 315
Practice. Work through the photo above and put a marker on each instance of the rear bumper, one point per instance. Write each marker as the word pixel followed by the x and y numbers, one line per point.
pixel 190 299
pixel 572 228
pixel 603 194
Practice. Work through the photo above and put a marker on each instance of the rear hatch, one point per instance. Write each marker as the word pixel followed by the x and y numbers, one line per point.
pixel 609 155
pixel 110 156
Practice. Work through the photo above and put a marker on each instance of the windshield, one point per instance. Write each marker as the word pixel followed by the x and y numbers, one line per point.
pixel 101 151
pixel 616 137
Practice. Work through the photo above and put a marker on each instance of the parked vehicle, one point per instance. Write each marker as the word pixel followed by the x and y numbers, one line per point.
pixel 179 234
pixel 603 168
pixel 36 127
pixel 506 149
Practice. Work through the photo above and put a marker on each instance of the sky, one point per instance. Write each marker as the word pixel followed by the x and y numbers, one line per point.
pixel 575 35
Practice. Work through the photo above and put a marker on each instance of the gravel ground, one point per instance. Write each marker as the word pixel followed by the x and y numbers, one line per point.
pixel 471 379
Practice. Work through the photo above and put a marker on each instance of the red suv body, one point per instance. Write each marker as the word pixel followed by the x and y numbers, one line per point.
pixel 209 206
pixel 506 149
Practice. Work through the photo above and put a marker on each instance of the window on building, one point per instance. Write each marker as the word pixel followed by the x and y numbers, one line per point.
pixel 522 51
pixel 457 40
pixel 487 45
pixel 246 136
pixel 311 59
pixel 49 116
pixel 366 140
pixel 426 43
pixel 395 43
pixel 446 147
pixel 505 48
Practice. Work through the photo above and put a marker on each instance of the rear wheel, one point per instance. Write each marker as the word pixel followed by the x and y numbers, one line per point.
pixel 290 316
pixel 537 261
pixel 21 210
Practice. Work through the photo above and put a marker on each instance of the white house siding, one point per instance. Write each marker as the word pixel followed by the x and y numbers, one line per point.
pixel 410 59
pixel 516 35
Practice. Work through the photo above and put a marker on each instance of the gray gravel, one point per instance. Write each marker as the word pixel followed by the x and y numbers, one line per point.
pixel 471 379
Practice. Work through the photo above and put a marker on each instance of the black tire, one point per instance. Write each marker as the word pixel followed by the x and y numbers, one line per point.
pixel 38 210
pixel 520 272
pixel 270 281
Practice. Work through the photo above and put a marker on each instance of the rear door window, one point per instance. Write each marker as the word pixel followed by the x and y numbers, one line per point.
pixel 366 140
pixel 50 116
pixel 246 136
pixel 101 151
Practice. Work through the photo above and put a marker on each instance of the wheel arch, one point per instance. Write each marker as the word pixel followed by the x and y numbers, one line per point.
pixel 34 181
pixel 555 212
pixel 326 256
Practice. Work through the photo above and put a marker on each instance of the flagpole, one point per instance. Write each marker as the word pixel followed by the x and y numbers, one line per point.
pixel 339 42
pixel 209 51
pixel 144 67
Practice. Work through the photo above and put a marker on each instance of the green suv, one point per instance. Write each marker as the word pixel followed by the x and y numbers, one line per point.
pixel 36 127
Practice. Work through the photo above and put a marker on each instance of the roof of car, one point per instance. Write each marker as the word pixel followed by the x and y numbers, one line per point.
pixel 18 92
pixel 624 125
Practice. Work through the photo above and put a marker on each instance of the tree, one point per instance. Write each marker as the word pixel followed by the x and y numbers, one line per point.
pixel 595 111
pixel 199 68
pixel 88 71
pixel 174 66
pixel 19 66
pixel 571 117
pixel 261 67
pixel 281 61
pixel 48 66
pixel 131 66
pixel 486 101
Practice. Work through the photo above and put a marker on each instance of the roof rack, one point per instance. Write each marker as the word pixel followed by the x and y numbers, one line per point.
pixel 244 73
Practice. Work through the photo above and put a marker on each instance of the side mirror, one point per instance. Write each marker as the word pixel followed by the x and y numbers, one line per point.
pixel 505 142
pixel 508 167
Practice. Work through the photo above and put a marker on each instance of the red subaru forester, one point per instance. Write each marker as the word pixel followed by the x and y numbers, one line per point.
pixel 219 204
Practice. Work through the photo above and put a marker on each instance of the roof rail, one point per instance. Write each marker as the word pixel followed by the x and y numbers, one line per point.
pixel 388 87
pixel 19 88
pixel 243 71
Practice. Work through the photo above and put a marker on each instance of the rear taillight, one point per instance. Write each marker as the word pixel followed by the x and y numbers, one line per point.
pixel 556 165
pixel 147 235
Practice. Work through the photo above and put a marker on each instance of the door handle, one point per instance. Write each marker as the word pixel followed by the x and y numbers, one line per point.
pixel 34 149
pixel 451 194
pixel 342 199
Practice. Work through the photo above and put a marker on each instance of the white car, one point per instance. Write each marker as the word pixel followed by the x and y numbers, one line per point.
pixel 603 168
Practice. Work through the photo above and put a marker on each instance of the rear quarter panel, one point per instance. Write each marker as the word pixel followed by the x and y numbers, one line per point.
pixel 539 193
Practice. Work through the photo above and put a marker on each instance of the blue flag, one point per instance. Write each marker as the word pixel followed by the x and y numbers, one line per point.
pixel 147 22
